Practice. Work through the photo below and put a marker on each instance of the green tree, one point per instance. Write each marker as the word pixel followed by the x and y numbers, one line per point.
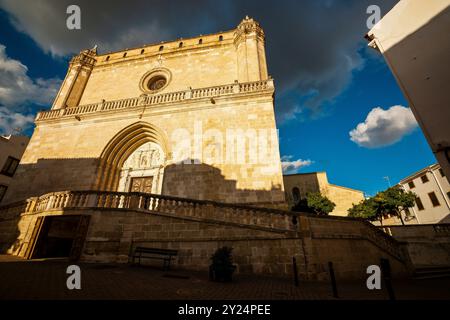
pixel 315 203
pixel 391 201
pixel 370 209
pixel 395 200
pixel 364 209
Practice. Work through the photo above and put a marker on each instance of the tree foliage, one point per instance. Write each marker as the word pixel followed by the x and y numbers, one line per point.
pixel 315 203
pixel 366 209
pixel 391 201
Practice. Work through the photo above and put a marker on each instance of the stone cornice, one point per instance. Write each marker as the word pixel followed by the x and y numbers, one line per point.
pixel 419 173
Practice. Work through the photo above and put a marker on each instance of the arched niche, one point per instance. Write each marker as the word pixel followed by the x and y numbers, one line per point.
pixel 121 148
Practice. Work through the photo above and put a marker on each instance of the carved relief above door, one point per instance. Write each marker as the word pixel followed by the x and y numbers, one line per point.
pixel 143 170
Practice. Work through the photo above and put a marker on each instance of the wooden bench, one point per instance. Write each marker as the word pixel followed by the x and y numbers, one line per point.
pixel 155 253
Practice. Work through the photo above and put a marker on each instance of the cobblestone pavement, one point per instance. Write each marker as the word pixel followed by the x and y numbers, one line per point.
pixel 46 279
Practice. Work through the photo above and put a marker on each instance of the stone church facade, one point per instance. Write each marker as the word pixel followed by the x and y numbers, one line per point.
pixel 174 146
pixel 184 118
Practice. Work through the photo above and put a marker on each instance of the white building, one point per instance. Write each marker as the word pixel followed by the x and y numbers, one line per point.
pixel 414 40
pixel 11 150
pixel 433 197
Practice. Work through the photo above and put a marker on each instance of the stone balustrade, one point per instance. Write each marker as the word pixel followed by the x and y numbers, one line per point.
pixel 248 215
pixel 150 100
pixel 442 229
pixel 384 241
pixel 275 219
pixel 417 230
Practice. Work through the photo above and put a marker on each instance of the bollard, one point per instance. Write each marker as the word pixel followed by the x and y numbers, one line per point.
pixel 333 280
pixel 386 272
pixel 294 264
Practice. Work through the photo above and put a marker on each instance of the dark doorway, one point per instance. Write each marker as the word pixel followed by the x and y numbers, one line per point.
pixel 60 236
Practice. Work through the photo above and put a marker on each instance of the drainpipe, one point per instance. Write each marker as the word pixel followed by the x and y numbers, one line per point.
pixel 440 188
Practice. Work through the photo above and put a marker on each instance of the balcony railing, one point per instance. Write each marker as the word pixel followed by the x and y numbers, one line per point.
pixel 211 211
pixel 150 100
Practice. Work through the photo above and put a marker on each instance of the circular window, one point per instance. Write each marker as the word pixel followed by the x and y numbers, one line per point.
pixel 156 83
pixel 155 80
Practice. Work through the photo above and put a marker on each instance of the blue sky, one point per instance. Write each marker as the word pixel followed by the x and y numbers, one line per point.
pixel 327 80
pixel 327 143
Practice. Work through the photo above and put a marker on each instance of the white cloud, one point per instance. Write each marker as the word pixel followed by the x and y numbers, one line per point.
pixel 312 66
pixel 292 166
pixel 13 122
pixel 18 91
pixel 17 88
pixel 384 127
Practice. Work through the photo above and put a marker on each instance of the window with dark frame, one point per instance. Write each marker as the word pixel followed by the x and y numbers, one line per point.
pixel 434 199
pixel 411 184
pixel 3 189
pixel 424 178
pixel 419 204
pixel 448 194
pixel 10 166
pixel 442 172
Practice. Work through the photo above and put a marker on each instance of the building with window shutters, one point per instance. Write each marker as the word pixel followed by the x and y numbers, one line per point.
pixel 433 197
pixel 11 150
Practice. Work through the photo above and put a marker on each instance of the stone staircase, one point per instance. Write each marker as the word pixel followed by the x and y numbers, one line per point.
pixel 275 220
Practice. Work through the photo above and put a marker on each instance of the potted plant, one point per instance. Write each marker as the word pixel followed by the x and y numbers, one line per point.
pixel 222 267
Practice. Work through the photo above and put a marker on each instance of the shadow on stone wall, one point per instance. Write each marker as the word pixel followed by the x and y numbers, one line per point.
pixel 205 182
pixel 51 175
pixel 196 181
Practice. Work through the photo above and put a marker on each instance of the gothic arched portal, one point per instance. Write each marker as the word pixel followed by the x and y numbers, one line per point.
pixel 119 161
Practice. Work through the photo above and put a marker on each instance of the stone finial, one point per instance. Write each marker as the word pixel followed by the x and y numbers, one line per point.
pixel 247 26
pixel 85 57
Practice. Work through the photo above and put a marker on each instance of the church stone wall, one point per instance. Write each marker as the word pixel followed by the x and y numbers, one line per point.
pixel 211 63
pixel 64 154
pixel 66 151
